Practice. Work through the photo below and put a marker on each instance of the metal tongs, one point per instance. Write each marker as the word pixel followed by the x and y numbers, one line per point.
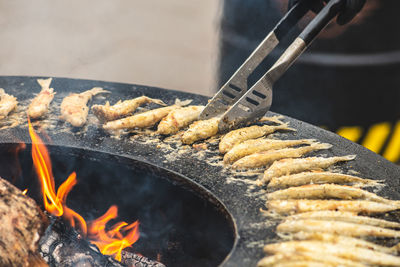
pixel 242 106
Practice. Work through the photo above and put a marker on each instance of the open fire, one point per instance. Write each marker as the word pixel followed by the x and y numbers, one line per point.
pixel 110 240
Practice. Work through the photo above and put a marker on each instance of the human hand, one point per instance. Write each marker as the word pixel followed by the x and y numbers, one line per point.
pixel 350 10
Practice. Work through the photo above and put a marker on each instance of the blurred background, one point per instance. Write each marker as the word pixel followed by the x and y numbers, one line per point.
pixel 165 43
pixel 347 82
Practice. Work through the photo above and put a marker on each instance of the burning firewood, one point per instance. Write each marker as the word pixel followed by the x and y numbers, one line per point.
pixel 21 226
pixel 135 260
pixel 63 246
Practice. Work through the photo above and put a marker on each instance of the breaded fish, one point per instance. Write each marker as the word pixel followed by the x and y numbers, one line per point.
pixel 340 239
pixel 251 146
pixel 237 136
pixel 307 205
pixel 335 227
pixel 318 177
pixel 322 191
pixel 356 254
pixel 145 119
pixel 40 104
pixel 305 263
pixel 200 130
pixel 7 103
pixel 344 216
pixel 307 256
pixel 178 119
pixel 267 157
pixel 121 109
pixel 290 166
pixel 74 107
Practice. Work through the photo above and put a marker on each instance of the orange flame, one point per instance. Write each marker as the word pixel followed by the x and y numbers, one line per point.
pixel 113 241
pixel 53 203
pixel 25 191
pixel 110 242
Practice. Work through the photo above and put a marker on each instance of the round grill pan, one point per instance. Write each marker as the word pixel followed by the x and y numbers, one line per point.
pixel 243 206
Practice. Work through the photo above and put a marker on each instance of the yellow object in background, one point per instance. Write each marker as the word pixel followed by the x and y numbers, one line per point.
pixel 392 151
pixel 376 136
pixel 352 133
pixel 382 138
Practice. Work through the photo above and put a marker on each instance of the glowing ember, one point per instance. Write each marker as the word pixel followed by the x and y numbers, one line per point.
pixel 110 242
pixel 120 235
pixel 25 191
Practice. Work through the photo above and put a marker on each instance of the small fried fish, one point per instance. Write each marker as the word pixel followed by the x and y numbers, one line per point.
pixel 237 136
pixel 306 205
pixel 267 157
pixel 74 107
pixel 346 240
pixel 335 227
pixel 40 104
pixel 289 166
pixel 200 130
pixel 322 191
pixel 362 255
pixel 145 119
pixel 252 146
pixel 7 103
pixel 307 256
pixel 344 216
pixel 318 177
pixel 304 263
pixel 121 109
pixel 178 119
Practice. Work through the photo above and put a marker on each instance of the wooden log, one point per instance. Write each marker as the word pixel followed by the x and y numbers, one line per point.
pixel 134 260
pixel 21 226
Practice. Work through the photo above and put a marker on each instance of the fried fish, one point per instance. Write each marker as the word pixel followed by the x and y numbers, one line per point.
pixel 319 177
pixel 347 240
pixel 178 119
pixel 267 157
pixel 39 106
pixel 307 256
pixel 121 108
pixel 7 103
pixel 344 216
pixel 200 130
pixel 252 146
pixel 74 107
pixel 290 166
pixel 294 206
pixel 362 255
pixel 322 191
pixel 335 227
pixel 237 136
pixel 145 119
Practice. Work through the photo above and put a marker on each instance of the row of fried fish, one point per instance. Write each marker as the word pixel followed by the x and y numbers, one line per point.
pixel 38 106
pixel 73 107
pixel 323 226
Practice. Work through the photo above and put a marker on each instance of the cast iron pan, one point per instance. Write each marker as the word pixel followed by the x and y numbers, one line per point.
pixel 199 169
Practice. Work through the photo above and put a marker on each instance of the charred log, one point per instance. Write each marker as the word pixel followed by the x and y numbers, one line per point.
pixel 63 246
pixel 135 260
pixel 21 225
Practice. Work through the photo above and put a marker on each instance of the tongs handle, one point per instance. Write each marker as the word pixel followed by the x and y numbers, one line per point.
pixel 257 101
pixel 299 45
pixel 237 86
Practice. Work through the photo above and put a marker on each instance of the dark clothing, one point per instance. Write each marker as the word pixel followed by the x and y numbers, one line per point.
pixel 350 76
